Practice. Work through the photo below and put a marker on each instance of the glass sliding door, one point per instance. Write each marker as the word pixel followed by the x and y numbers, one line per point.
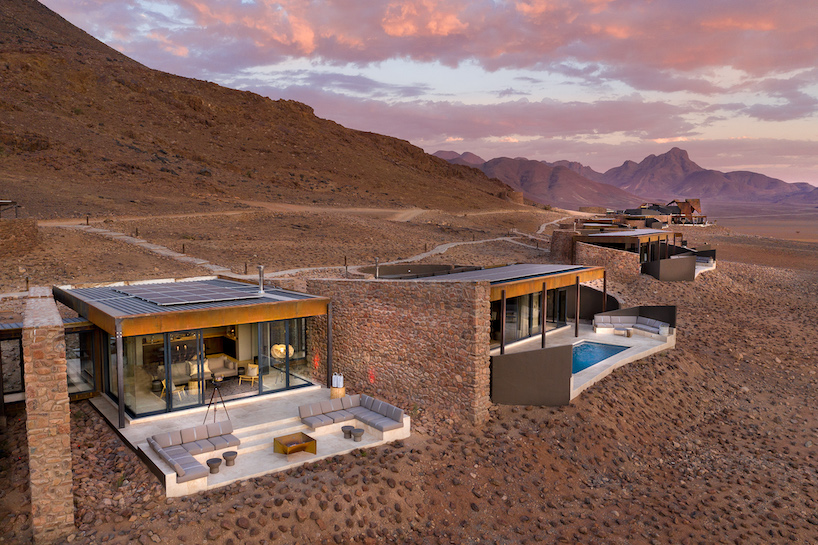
pixel 274 356
pixel 144 374
pixel 282 356
pixel 184 369
pixel 79 356
pixel 11 355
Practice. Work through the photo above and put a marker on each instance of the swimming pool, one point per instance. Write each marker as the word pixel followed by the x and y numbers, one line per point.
pixel 587 353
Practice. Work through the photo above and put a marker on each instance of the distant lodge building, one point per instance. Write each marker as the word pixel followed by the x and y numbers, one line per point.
pixel 677 212
pixel 638 245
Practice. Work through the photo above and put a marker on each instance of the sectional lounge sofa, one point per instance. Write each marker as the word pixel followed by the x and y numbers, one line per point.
pixel 178 447
pixel 603 322
pixel 375 413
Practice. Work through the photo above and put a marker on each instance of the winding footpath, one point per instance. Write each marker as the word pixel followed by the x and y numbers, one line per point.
pixel 402 215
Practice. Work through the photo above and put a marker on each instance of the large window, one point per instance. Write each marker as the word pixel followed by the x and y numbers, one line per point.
pixel 11 355
pixel 171 371
pixel 523 315
pixel 79 356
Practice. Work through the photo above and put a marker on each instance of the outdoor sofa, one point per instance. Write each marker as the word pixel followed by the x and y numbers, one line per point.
pixel 178 447
pixel 375 413
pixel 603 322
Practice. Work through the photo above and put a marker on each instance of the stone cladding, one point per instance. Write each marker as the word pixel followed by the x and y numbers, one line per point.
pixel 562 246
pixel 624 265
pixel 48 425
pixel 19 236
pixel 409 342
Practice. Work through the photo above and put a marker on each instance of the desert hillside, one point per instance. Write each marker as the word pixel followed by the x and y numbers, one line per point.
pixel 86 130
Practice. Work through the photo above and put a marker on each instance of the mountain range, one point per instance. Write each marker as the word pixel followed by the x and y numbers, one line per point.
pixel 662 177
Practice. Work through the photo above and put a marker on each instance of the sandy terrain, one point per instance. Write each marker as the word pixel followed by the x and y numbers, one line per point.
pixel 711 442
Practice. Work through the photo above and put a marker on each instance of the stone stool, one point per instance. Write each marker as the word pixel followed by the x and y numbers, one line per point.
pixel 357 433
pixel 347 431
pixel 230 457
pixel 214 464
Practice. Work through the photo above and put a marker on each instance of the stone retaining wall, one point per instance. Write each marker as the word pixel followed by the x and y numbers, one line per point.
pixel 620 263
pixel 48 419
pixel 18 236
pixel 408 342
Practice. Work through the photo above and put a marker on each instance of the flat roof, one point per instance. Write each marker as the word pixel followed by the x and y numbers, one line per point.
pixel 508 273
pixel 523 279
pixel 631 233
pixel 149 307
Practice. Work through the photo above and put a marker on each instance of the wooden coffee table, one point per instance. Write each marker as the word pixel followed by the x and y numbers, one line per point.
pixel 295 442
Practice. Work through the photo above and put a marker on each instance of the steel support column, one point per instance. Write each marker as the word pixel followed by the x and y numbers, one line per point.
pixel 604 290
pixel 120 375
pixel 576 318
pixel 503 322
pixel 329 345
pixel 542 312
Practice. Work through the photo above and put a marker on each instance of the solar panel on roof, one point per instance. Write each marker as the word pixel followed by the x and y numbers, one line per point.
pixel 179 293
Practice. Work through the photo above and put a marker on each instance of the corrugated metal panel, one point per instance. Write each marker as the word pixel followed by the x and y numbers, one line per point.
pixel 506 274
pixel 130 305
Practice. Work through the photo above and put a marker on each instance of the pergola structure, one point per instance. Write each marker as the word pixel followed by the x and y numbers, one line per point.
pixel 527 279
pixel 130 309
pixel 645 242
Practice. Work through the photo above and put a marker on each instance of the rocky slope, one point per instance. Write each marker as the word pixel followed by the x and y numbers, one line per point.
pixel 86 130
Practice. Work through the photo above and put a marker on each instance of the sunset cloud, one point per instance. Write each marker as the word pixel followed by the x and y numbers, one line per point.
pixel 582 72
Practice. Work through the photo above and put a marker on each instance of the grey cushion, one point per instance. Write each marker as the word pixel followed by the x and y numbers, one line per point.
pixel 358 410
pixel 396 414
pixel 316 409
pixel 304 411
pixel 317 421
pixel 176 451
pixel 386 424
pixel 219 428
pixel 336 404
pixel 232 440
pixel 366 402
pixel 355 400
pixel 340 416
pixel 326 406
pixel 219 442
pixel 378 406
pixel 196 433
pixel 601 319
pixel 191 470
pixel 198 447
pixel 168 439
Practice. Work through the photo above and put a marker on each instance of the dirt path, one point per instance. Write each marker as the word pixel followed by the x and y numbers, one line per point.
pixel 391 214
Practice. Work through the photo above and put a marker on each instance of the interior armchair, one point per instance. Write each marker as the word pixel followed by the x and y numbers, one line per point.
pixel 251 375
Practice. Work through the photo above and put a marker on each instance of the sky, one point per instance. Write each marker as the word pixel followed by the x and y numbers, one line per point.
pixel 733 82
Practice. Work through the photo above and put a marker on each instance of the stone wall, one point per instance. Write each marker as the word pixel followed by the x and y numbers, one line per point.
pixel 18 236
pixel 48 419
pixel 408 342
pixel 622 264
pixel 562 246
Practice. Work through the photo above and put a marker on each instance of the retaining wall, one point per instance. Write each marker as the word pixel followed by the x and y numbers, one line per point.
pixel 408 342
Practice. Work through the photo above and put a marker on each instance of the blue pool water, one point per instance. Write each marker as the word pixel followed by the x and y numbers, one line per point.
pixel 588 353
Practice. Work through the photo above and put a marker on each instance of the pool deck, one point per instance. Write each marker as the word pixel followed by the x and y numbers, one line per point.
pixel 639 346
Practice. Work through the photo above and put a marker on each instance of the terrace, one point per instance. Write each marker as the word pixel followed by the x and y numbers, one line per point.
pixel 530 374
pixel 256 422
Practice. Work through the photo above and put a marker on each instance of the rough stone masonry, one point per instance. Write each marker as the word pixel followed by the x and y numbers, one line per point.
pixel 48 419
pixel 409 342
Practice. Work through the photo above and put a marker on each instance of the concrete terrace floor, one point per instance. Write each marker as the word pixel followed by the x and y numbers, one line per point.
pixel 256 422
pixel 639 347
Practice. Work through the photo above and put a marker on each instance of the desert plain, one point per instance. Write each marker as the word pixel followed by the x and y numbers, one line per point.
pixel 713 442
